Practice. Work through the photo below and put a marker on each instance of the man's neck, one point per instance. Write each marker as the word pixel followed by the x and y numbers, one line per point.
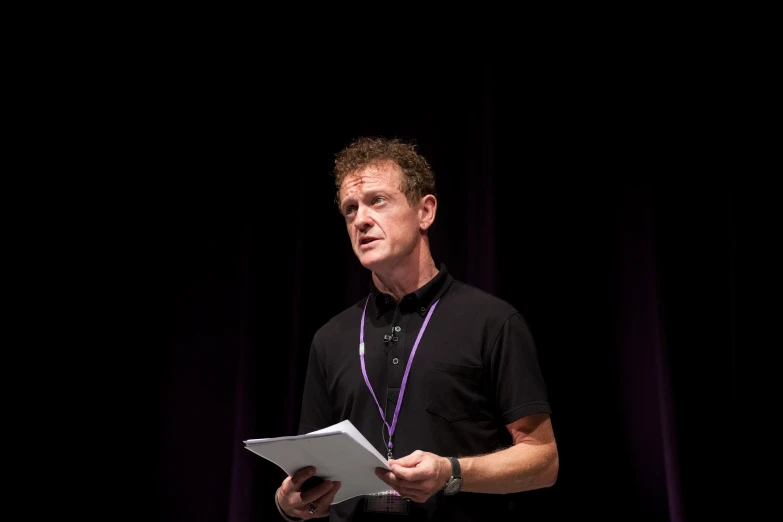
pixel 403 280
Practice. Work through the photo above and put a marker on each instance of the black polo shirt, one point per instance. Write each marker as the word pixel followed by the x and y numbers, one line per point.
pixel 475 371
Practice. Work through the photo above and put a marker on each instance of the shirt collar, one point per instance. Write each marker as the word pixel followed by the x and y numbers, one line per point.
pixel 418 301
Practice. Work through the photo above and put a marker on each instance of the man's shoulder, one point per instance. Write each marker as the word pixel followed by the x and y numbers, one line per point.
pixel 482 301
pixel 342 321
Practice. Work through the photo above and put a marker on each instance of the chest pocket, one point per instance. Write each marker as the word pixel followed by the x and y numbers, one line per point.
pixel 454 391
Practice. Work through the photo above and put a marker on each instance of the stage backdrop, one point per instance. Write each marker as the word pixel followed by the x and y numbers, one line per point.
pixel 565 201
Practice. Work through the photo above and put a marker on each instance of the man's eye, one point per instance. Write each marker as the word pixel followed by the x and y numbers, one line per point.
pixel 349 210
pixel 377 200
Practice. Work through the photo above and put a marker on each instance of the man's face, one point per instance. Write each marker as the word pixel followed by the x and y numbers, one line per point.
pixel 382 226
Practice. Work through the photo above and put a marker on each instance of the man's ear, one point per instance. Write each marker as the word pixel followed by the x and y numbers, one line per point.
pixel 429 206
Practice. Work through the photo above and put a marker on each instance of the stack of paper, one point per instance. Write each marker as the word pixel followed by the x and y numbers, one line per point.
pixel 338 452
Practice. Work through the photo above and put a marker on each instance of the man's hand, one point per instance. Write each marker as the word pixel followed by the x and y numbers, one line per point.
pixel 299 504
pixel 417 476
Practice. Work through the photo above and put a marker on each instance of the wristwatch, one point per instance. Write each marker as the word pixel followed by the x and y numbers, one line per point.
pixel 454 484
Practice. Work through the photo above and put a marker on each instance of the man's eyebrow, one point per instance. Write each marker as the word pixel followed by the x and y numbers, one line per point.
pixel 364 196
pixel 344 203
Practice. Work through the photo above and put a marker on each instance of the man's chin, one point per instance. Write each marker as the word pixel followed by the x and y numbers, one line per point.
pixel 372 262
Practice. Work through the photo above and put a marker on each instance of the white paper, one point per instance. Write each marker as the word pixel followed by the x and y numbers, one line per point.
pixel 338 452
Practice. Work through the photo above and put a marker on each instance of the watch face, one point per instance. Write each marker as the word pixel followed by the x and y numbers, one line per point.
pixel 453 486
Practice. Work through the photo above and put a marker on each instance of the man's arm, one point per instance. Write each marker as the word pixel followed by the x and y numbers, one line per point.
pixel 531 463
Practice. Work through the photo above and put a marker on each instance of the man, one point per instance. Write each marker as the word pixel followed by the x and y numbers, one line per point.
pixel 448 383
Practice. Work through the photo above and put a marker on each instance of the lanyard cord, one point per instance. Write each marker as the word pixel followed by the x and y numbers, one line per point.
pixel 404 377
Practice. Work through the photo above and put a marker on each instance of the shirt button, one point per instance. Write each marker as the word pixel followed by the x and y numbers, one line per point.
pixel 423 309
pixel 395 360
pixel 397 328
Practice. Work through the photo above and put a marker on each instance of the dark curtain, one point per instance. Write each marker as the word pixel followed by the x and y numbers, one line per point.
pixel 571 202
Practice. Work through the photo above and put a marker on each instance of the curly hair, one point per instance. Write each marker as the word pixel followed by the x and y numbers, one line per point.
pixel 418 180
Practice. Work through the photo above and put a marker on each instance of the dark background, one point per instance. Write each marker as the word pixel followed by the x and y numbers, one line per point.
pixel 606 207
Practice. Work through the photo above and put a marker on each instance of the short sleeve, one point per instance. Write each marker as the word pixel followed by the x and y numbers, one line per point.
pixel 519 385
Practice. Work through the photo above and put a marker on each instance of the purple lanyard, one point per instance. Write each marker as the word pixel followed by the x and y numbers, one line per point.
pixel 404 377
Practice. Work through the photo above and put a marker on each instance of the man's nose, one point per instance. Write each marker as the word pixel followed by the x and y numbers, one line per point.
pixel 363 219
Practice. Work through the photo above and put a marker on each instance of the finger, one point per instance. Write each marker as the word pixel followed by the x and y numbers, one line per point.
pixel 300 476
pixel 408 461
pixel 427 470
pixel 398 483
pixel 327 499
pixel 385 475
pixel 394 482
pixel 322 503
pixel 411 487
pixel 410 474
pixel 421 498
pixel 304 513
pixel 414 494
pixel 317 492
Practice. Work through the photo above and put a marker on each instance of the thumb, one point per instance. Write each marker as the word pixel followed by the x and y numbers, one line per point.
pixel 407 461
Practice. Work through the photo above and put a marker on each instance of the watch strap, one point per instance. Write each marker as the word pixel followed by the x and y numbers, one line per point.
pixel 456 471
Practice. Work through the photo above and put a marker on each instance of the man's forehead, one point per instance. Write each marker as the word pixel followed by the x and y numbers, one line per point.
pixel 370 176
